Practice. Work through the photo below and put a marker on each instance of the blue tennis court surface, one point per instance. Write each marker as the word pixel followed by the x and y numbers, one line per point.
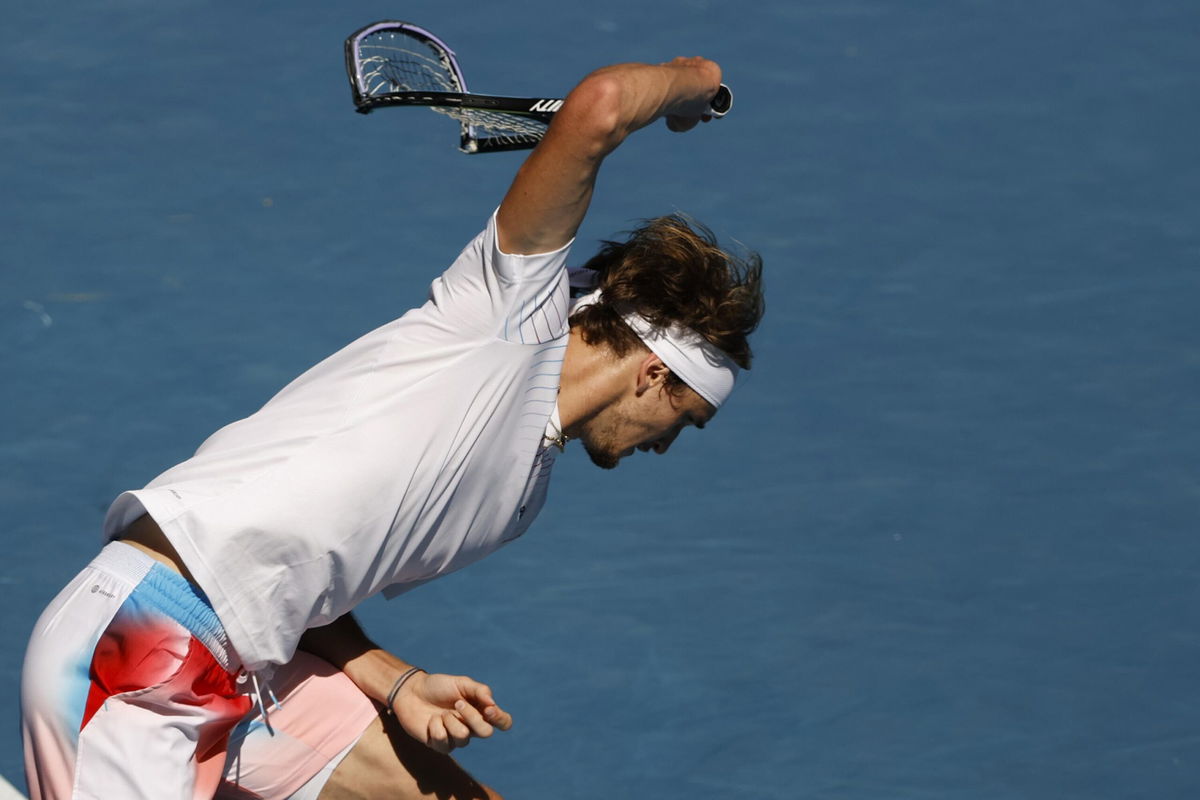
pixel 941 545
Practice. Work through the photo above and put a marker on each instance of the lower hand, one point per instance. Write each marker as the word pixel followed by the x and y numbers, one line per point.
pixel 446 711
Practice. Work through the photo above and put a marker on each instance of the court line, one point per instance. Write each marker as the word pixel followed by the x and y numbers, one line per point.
pixel 7 792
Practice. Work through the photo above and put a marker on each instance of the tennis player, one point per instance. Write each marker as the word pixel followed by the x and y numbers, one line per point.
pixel 209 649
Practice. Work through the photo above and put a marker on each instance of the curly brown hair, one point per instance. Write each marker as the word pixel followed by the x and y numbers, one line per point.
pixel 670 270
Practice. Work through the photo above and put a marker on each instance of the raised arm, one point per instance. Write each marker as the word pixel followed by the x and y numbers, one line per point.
pixel 550 195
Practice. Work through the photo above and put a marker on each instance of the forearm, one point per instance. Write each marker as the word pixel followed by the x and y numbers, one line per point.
pixel 635 95
pixel 552 190
pixel 442 711
pixel 344 644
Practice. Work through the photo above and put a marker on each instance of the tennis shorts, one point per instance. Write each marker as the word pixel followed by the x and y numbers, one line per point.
pixel 131 690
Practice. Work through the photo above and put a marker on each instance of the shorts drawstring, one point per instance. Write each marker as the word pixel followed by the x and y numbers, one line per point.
pixel 257 692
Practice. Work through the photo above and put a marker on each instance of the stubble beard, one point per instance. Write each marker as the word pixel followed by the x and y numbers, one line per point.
pixel 601 457
pixel 599 442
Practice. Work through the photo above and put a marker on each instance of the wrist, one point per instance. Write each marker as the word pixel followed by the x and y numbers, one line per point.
pixel 404 678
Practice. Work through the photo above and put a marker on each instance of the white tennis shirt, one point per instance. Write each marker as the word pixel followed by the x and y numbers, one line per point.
pixel 412 452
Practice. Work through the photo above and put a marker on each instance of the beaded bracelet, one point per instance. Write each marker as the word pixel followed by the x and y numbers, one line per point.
pixel 400 682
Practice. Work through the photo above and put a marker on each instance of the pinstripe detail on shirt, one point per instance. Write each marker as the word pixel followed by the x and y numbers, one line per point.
pixel 540 396
pixel 541 318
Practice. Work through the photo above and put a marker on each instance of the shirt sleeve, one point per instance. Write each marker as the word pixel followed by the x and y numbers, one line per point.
pixel 518 298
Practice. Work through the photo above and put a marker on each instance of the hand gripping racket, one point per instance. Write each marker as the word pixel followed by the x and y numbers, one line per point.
pixel 399 64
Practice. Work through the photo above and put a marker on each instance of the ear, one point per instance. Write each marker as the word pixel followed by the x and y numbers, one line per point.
pixel 651 372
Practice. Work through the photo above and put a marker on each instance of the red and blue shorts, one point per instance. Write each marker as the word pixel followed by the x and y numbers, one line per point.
pixel 130 689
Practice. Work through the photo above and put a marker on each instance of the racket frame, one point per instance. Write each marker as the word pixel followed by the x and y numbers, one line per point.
pixel 538 108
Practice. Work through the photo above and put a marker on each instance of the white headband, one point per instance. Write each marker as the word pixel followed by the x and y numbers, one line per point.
pixel 709 371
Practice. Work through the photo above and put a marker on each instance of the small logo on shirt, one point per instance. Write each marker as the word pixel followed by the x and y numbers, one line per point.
pixel 97 590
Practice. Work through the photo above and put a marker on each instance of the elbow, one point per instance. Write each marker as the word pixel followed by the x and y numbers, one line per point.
pixel 594 110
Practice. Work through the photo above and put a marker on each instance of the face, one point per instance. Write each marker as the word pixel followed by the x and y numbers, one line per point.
pixel 646 420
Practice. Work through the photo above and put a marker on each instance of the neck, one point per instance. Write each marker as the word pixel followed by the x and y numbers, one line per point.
pixel 592 378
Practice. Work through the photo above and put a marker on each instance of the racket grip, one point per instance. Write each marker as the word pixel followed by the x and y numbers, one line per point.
pixel 721 103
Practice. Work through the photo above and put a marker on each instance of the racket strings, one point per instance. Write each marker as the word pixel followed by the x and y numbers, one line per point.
pixel 391 68
pixel 390 61
pixel 496 124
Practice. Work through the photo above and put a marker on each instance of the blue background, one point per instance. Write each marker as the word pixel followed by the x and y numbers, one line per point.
pixel 941 545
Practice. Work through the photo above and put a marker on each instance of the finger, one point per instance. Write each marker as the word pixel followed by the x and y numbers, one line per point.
pixel 480 696
pixel 476 693
pixel 460 734
pixel 498 717
pixel 474 720
pixel 437 738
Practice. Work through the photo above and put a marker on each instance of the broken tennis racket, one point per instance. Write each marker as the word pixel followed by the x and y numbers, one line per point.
pixel 399 64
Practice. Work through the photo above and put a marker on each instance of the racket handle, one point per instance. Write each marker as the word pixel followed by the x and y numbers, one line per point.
pixel 721 103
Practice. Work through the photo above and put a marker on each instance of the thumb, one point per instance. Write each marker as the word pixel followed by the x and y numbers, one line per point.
pixel 480 696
